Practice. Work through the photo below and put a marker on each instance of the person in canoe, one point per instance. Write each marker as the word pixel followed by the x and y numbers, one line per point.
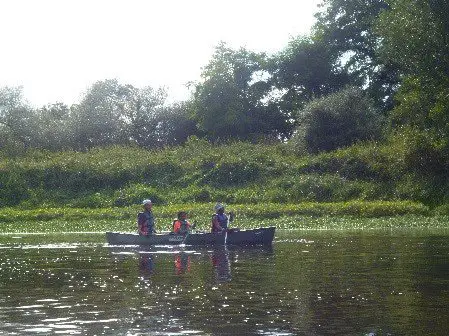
pixel 220 220
pixel 182 225
pixel 145 219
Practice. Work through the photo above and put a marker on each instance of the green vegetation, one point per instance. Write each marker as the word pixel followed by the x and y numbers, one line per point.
pixel 260 182
pixel 201 212
pixel 199 172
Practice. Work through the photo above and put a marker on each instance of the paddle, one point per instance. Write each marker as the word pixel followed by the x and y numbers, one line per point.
pixel 185 237
pixel 228 230
pixel 231 219
pixel 231 216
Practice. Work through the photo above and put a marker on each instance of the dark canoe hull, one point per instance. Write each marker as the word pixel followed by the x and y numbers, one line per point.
pixel 260 236
pixel 118 238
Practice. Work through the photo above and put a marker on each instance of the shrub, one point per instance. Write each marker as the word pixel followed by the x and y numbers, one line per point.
pixel 338 120
pixel 162 173
pixel 13 188
pixel 442 210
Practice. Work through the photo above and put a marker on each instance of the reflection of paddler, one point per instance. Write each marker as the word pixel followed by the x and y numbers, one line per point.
pixel 146 264
pixel 222 265
pixel 182 263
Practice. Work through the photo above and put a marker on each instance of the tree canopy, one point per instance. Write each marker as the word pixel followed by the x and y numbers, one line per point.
pixel 396 53
pixel 230 100
pixel 416 37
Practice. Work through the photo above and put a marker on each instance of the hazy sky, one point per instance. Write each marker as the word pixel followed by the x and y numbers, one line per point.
pixel 56 49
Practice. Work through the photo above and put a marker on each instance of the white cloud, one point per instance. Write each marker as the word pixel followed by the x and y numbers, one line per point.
pixel 55 49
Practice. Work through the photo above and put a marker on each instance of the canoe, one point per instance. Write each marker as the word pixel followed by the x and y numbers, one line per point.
pixel 260 236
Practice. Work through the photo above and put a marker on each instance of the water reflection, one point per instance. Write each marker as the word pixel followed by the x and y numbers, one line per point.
pixel 152 260
pixel 182 263
pixel 221 258
pixel 221 264
pixel 146 264
pixel 323 284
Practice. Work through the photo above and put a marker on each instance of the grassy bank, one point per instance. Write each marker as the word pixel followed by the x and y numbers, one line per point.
pixel 200 172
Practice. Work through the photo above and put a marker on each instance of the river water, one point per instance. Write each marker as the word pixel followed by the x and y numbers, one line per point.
pixel 307 283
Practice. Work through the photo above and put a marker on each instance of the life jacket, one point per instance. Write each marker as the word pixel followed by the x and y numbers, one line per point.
pixel 145 223
pixel 181 226
pixel 222 220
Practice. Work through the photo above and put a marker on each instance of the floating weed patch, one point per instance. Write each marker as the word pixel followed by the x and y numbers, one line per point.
pixel 59 226
pixel 45 239
pixel 339 223
pixel 297 222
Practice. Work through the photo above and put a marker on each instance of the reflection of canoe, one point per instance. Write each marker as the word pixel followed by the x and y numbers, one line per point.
pixel 260 236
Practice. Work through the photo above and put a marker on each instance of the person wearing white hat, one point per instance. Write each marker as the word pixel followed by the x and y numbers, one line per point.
pixel 220 220
pixel 145 219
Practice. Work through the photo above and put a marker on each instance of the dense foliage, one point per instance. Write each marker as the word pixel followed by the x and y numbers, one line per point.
pixel 347 27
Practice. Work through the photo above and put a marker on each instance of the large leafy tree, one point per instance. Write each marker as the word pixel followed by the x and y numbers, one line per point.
pixel 305 70
pixel 115 113
pixel 346 27
pixel 99 118
pixel 163 125
pixel 416 36
pixel 17 120
pixel 229 100
pixel 53 127
pixel 142 112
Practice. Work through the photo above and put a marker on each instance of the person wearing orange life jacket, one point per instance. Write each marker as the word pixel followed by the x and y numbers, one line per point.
pixel 182 225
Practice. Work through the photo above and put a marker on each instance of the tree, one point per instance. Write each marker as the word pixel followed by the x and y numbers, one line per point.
pixel 17 120
pixel 143 112
pixel 165 126
pixel 347 28
pixel 114 113
pixel 229 101
pixel 98 119
pixel 175 124
pixel 337 120
pixel 416 36
pixel 53 127
pixel 305 70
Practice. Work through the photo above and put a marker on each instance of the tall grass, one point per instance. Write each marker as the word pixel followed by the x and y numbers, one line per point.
pixel 200 172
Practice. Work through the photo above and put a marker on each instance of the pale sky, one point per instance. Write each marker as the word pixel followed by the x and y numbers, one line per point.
pixel 56 49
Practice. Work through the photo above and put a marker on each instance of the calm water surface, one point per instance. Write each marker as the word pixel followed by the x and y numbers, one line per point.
pixel 308 283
